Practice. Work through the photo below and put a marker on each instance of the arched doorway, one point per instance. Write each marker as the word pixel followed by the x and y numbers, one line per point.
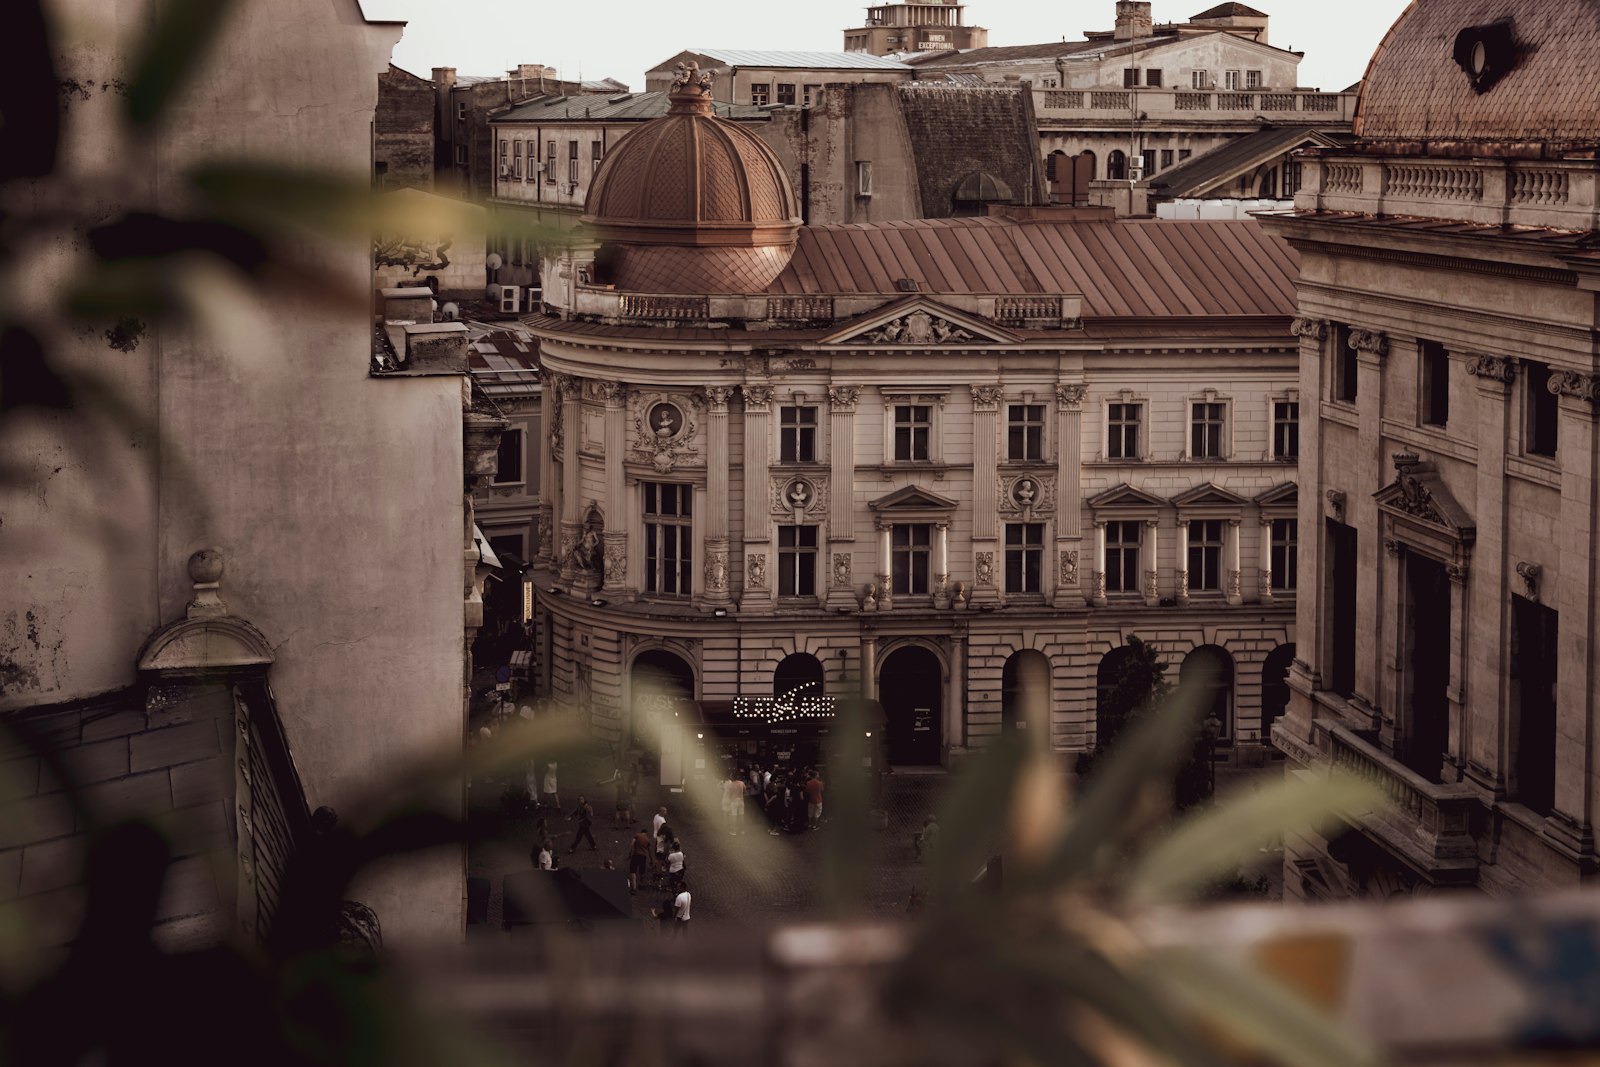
pixel 1274 688
pixel 1108 718
pixel 799 671
pixel 911 689
pixel 660 677
pixel 1212 667
pixel 661 689
pixel 1117 165
pixel 1025 692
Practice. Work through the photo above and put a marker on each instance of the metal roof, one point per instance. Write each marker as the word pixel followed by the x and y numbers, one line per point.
pixel 504 363
pixel 623 107
pixel 1123 269
pixel 1204 172
pixel 741 57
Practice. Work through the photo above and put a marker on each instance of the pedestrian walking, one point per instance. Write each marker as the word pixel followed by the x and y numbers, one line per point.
pixel 680 910
pixel 675 863
pixel 639 860
pixel 813 791
pixel 733 802
pixel 623 815
pixel 663 836
pixel 926 838
pixel 546 857
pixel 584 813
pixel 547 793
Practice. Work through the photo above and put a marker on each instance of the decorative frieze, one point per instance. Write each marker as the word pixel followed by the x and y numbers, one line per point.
pixel 1493 368
pixel 917 328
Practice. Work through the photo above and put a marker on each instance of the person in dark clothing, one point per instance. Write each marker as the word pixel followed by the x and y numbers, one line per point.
pixel 585 816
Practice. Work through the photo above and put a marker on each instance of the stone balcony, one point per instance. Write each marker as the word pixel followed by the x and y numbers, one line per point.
pixel 1556 194
pixel 763 311
pixel 1054 106
pixel 1427 824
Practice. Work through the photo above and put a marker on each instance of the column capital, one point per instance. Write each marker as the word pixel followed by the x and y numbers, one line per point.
pixel 986 398
pixel 1315 329
pixel 1576 385
pixel 1069 396
pixel 757 397
pixel 1235 523
pixel 601 390
pixel 883 525
pixel 1152 524
pixel 1492 368
pixel 717 397
pixel 1100 524
pixel 1373 342
pixel 843 397
pixel 568 387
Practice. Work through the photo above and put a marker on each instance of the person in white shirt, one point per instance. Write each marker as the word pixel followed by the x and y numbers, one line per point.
pixel 675 864
pixel 680 911
pixel 547 859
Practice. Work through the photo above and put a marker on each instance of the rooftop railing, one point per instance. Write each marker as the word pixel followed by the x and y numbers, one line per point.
pixel 1557 194
pixel 1054 105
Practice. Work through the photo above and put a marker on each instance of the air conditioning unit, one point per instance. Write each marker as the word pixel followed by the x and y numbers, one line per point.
pixel 534 298
pixel 1136 170
pixel 510 299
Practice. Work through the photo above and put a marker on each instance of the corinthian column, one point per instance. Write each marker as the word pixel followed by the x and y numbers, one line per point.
pixel 1152 563
pixel 757 518
pixel 985 472
pixel 841 503
pixel 1235 575
pixel 1264 558
pixel 1069 491
pixel 1098 596
pixel 617 511
pixel 716 528
pixel 571 472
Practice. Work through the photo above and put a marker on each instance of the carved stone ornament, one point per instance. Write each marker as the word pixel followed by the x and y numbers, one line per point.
pixel 616 560
pixel 1071 396
pixel 1099 586
pixel 985 568
pixel 1456 572
pixel 601 392
pixel 1575 385
pixel 716 570
pixel 755 565
pixel 717 396
pixel 1265 577
pixel 1414 497
pixel 557 428
pixel 1530 574
pixel 1336 503
pixel 843 397
pixel 841 569
pixel 1396 549
pixel 570 387
pixel 757 397
pixel 1151 584
pixel 1494 368
pixel 1316 329
pixel 917 328
pixel 809 495
pixel 1182 580
pixel 544 535
pixel 987 397
pixel 688 77
pixel 1026 494
pixel 1069 567
pixel 1374 341
pixel 665 429
pixel 1235 581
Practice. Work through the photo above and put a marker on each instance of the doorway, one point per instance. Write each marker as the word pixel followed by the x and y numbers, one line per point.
pixel 1427 666
pixel 911 689
pixel 1025 692
pixel 1533 696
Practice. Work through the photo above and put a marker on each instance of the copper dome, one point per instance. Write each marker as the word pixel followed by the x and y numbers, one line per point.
pixel 1465 78
pixel 691 203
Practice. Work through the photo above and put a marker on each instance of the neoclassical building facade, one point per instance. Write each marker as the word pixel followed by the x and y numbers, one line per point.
pixel 1447 620
pixel 930 462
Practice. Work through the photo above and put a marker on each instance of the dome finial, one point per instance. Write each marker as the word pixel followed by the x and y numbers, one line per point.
pixel 691 90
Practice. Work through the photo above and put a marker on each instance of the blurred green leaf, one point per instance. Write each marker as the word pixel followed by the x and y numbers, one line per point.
pixel 1257 1009
pixel 178 37
pixel 1215 842
pixel 972 819
pixel 1144 759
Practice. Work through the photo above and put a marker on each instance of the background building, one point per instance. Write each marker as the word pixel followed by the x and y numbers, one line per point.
pixel 918 461
pixel 1447 320
pixel 930 26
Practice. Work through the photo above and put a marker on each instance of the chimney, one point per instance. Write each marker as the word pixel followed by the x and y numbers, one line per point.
pixel 444 77
pixel 1133 20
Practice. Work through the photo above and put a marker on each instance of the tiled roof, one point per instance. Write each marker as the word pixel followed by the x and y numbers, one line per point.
pixel 503 362
pixel 624 107
pixel 1222 11
pixel 1204 172
pixel 740 57
pixel 1122 269
pixel 1545 104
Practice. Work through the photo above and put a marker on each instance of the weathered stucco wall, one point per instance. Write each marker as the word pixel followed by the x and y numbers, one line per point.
pixel 334 498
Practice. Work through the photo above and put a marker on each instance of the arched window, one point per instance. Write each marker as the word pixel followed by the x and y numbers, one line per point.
pixel 1212 667
pixel 799 671
pixel 1107 717
pixel 1117 165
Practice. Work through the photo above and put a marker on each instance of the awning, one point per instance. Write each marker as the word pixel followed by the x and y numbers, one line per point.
pixel 485 553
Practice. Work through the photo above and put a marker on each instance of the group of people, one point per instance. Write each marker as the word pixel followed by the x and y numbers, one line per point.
pixel 790 800
pixel 656 855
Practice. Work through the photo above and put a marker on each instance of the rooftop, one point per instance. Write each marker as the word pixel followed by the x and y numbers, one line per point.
pixel 740 57
pixel 622 107
pixel 1201 173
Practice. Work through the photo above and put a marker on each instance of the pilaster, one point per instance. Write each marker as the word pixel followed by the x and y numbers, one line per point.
pixel 985 472
pixel 716 514
pixel 1486 742
pixel 571 390
pixel 1372 349
pixel 757 542
pixel 1069 493
pixel 841 503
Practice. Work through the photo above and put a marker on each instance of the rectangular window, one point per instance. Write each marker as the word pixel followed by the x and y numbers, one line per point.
pixel 1025 432
pixel 1130 77
pixel 1285 429
pixel 1149 158
pixel 913 424
pixel 550 163
pixel 1024 556
pixel 1184 153
pixel 1434 372
pixel 461 155
pixel 1152 77
pixel 760 94
pixel 1205 556
pixel 1230 80
pixel 797 561
pixel 1122 556
pixel 1535 631
pixel 505 146
pixel 786 93
pixel 1205 431
pixel 1199 79
pixel 797 434
pixel 1293 178
pixel 910 558
pixel 1166 158
pixel 508 465
pixel 596 151
pixel 1341 586
pixel 516 166
pixel 863 177
pixel 1285 554
pixel 1252 79
pixel 668 537
pixel 812 94
pixel 461 111
pixel 572 162
pixel 1542 410
pixel 1122 438
pixel 1345 378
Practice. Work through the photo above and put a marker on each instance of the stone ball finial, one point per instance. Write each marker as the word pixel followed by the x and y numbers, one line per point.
pixel 206 565
pixel 205 571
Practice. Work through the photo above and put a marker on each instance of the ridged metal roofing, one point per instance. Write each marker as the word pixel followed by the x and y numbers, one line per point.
pixel 1138 269
pixel 618 107
pixel 1202 173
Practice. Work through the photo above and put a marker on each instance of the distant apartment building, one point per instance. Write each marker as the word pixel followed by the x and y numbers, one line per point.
pixel 743 76
pixel 929 26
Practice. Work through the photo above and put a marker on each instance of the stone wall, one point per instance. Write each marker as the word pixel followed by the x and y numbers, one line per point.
pixel 402 131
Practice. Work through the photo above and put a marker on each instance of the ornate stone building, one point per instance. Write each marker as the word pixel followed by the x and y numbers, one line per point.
pixel 1447 624
pixel 921 461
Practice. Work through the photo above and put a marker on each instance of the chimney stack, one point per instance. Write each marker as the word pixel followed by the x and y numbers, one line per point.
pixel 444 77
pixel 1133 20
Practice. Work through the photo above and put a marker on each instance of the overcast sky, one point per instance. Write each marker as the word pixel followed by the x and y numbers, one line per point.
pixel 623 38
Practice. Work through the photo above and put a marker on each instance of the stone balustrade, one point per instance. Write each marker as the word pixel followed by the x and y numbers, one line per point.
pixel 1054 105
pixel 1035 311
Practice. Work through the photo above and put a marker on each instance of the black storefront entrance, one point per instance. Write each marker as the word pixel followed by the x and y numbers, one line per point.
pixel 911 689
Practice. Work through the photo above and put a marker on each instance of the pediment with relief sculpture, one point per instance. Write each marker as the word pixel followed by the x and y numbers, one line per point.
pixel 917 322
